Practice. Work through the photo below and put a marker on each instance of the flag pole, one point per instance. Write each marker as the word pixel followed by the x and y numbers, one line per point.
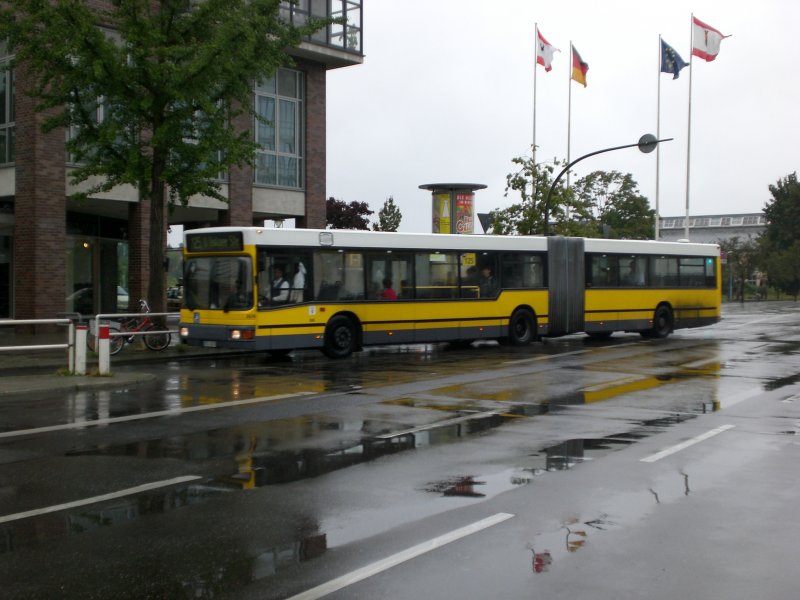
pixel 658 134
pixel 535 64
pixel 689 128
pixel 569 105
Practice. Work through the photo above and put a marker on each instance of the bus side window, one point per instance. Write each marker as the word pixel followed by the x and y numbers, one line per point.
pixel 605 270
pixel 664 271
pixel 328 275
pixel 299 281
pixel 633 271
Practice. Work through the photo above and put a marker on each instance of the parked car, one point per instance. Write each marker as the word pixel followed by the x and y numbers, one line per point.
pixel 82 300
pixel 174 298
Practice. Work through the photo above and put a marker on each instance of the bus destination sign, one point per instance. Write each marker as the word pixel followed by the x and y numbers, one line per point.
pixel 229 241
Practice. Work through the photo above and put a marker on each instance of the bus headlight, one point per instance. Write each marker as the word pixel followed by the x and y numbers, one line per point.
pixel 241 334
pixel 184 332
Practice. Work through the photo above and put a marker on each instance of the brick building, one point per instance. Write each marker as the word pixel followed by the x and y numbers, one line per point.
pixel 58 255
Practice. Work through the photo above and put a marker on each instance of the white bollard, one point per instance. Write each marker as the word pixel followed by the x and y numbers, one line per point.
pixel 80 349
pixel 103 351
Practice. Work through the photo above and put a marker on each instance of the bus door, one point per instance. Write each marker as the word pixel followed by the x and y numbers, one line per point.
pixel 566 283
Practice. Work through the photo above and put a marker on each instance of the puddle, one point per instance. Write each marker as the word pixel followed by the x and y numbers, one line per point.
pixel 570 538
pixel 781 382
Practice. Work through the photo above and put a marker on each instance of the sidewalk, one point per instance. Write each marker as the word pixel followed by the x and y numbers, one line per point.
pixel 36 371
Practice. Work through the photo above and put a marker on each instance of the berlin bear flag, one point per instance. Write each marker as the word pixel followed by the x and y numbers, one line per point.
pixel 544 51
pixel 705 40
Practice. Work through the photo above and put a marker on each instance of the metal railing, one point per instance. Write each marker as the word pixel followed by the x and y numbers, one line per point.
pixel 75 344
pixel 69 345
pixel 111 319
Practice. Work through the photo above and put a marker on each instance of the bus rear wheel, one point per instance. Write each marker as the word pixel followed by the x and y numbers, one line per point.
pixel 663 323
pixel 341 337
pixel 521 328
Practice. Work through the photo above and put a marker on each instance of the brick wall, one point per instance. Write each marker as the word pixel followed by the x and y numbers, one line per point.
pixel 39 213
pixel 315 147
pixel 240 186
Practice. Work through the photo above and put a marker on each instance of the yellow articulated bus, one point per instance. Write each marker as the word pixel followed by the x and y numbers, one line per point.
pixel 278 290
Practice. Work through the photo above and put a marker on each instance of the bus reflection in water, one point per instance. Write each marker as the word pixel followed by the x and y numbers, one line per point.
pixel 332 286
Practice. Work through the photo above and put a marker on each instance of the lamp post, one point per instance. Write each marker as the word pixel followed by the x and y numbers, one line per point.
pixel 646 144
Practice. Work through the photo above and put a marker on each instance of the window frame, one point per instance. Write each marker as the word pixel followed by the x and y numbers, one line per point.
pixel 272 161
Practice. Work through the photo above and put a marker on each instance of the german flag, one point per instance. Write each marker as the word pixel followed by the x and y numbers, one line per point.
pixel 579 68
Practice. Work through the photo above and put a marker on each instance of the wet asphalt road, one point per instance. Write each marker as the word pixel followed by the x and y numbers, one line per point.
pixel 485 472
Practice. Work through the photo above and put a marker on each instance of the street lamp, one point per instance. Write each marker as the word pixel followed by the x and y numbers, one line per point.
pixel 646 144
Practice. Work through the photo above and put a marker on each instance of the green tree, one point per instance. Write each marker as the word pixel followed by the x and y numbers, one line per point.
pixel 783 269
pixel 389 216
pixel 780 245
pixel 534 214
pixel 620 211
pixel 171 79
pixel 341 215
pixel 783 213
pixel 743 258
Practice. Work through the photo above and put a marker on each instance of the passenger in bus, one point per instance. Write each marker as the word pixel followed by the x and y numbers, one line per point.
pixel 388 293
pixel 280 287
pixel 488 285
pixel 298 283
pixel 634 276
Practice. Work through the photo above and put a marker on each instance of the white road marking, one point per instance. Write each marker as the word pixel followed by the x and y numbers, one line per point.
pixel 339 583
pixel 437 424
pixel 686 444
pixel 544 357
pixel 151 415
pixel 102 498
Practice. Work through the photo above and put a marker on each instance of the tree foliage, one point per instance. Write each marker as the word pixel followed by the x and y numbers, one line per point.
pixel 389 216
pixel 341 215
pixel 743 258
pixel 149 91
pixel 619 210
pixel 606 204
pixel 781 240
pixel 533 214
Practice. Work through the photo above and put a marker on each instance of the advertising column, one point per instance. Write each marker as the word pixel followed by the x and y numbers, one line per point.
pixel 453 206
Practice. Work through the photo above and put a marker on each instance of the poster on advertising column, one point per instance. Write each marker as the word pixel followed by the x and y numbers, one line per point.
pixel 441 213
pixel 465 221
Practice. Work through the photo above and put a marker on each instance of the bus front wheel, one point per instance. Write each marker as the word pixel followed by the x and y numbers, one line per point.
pixel 341 338
pixel 521 328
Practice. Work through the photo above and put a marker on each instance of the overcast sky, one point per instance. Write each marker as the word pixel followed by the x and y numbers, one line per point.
pixel 445 94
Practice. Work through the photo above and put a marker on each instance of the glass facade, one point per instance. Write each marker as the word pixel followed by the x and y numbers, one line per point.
pixel 279 130
pixel 345 35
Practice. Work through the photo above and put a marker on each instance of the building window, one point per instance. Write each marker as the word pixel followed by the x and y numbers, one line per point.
pixel 279 130
pixel 7 117
pixel 346 34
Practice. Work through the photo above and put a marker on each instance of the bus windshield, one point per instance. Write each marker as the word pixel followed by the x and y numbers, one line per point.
pixel 218 282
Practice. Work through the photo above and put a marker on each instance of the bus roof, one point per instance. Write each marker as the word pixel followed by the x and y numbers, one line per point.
pixel 349 238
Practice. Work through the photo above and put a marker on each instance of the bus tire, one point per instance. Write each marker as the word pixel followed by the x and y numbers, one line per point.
pixel 521 328
pixel 663 323
pixel 341 337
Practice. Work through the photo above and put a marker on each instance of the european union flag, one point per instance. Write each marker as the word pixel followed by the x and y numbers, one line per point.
pixel 671 61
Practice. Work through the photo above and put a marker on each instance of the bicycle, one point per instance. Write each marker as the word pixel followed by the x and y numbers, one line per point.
pixel 156 341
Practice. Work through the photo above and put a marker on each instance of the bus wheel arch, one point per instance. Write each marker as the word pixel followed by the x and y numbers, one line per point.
pixel 522 326
pixel 663 322
pixel 342 335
